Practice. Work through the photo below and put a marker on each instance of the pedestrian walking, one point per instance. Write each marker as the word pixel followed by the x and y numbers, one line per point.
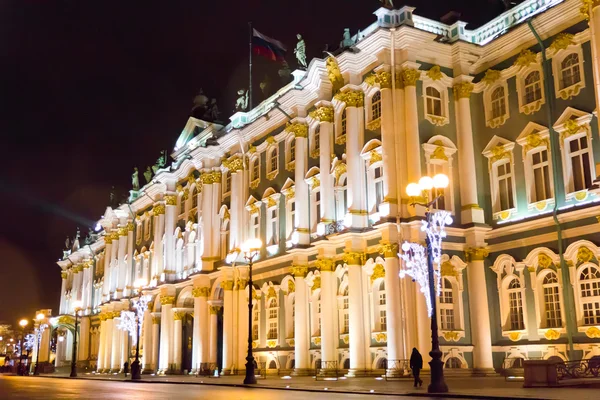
pixel 126 368
pixel 416 365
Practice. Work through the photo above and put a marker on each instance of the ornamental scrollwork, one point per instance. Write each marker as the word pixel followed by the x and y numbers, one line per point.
pixel 525 58
pixel 234 164
pixel 167 300
pixel 353 258
pixel 200 291
pixel 388 250
pixel 544 261
pixel 562 41
pixel 323 114
pixel 353 98
pixel 171 200
pixel 375 157
pixel 227 285
pixel 316 283
pixel 339 170
pixel 297 129
pixel 378 272
pixel 534 140
pixel 476 254
pixel 584 254
pixel 334 74
pixel 463 90
pixel 491 76
pixel 435 73
pixel 325 264
pixel 381 78
pixel 410 76
pixel 499 153
pixel 298 270
pixel 158 209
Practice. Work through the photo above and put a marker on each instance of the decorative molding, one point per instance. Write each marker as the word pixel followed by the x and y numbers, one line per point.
pixel 525 58
pixel 593 332
pixel 463 90
pixel 378 272
pixel 435 73
pixel 353 258
pixel 373 125
pixel 388 250
pixel 297 129
pixel 178 315
pixel 352 98
pixel 227 285
pixel 334 74
pixel 381 78
pixel 552 334
pixel 299 271
pixel 476 254
pixel 214 310
pixel 491 76
pixel 323 114
pixel 325 264
pixel 200 291
pixel 158 209
pixel 171 200
pixel 167 300
pixel 410 76
pixel 562 41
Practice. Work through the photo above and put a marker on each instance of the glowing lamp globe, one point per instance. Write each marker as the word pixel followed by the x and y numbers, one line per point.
pixel 251 245
pixel 40 316
pixel 440 181
pixel 426 183
pixel 413 190
pixel 139 283
pixel 77 305
pixel 23 323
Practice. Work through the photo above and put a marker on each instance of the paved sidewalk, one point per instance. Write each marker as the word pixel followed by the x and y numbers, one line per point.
pixel 468 387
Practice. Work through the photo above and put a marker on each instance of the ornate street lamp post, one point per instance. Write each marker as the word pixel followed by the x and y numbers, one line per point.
pixel 39 330
pixel 140 305
pixel 251 250
pixel 23 323
pixel 76 309
pixel 420 266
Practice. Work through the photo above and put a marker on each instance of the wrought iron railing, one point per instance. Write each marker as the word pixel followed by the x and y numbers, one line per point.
pixel 578 369
pixel 327 369
pixel 396 369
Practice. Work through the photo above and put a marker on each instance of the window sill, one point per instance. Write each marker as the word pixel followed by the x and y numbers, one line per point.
pixel 374 125
pixel 532 107
pixel 452 336
pixel 570 92
pixel 379 337
pixel 515 336
pixel 541 205
pixel 254 183
pixel 272 175
pixel 591 331
pixel 504 215
pixel 437 120
pixel 497 122
pixel 340 139
pixel 551 333
pixel 580 195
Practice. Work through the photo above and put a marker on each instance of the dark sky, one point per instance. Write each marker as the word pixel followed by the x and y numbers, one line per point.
pixel 90 89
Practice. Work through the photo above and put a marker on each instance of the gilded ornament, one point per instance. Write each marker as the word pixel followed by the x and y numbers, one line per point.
pixel 297 129
pixel 504 215
pixel 216 176
pixel 541 205
pixel 167 300
pixel 122 231
pixel 544 261
pixel 185 195
pixel 584 254
pixel 254 184
pixel 291 286
pixel 271 343
pixel 410 76
pixel 291 166
pixel 374 125
pixel 158 209
pixel 388 250
pixel 64 275
pixel 552 334
pixel 291 193
pixel 155 320
pixel 352 98
pixel 439 153
pixel 525 58
pixel 316 283
pixel 240 284
pixel 227 285
pixel 298 270
pixel 114 235
pixel 339 170
pixel 179 188
pixel 234 164
pixel 66 320
pixel 200 291
pixel 451 336
pixel 463 90
pixel 271 175
pixel 314 182
pixel 315 153
pixel 325 264
pixel 334 74
pixel 499 153
pixel 191 179
pixel 171 200
pixel 514 336
pixel 378 272
pixel 593 332
pixel 381 337
pixel 586 6
pixel 214 310
pixel 398 80
pixel 375 157
pixel 346 339
pixel 178 315
pixel 353 258
pixel 226 214
pixel 476 254
pixel 491 76
pixel 271 293
pixel 340 140
pixel 534 140
pixel 271 202
pixel 435 73
pixel 254 208
pixel 581 195
pixel 271 140
pixel 562 41
pixel 323 114
pixel 447 269
pixel 381 78
pixel 255 344
pixel 571 128
pixel 252 149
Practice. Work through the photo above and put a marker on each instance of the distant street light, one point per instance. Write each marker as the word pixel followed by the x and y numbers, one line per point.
pixel 39 330
pixel 140 305
pixel 23 323
pixel 251 250
pixel 76 308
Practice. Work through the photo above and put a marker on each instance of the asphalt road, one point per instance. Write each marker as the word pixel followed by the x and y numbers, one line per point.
pixel 31 388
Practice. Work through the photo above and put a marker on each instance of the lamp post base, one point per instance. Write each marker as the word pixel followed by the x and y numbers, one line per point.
pixel 73 371
pixel 136 371
pixel 438 384
pixel 250 378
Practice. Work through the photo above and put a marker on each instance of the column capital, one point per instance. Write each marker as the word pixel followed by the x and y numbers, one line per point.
pixel 214 310
pixel 158 209
pixel 299 271
pixel 322 114
pixel 389 250
pixel 325 264
pixel 410 76
pixel 463 90
pixel 240 284
pixel 381 78
pixel 178 315
pixel 353 258
pixel 114 235
pixel 171 200
pixel 298 129
pixel 476 254
pixel 200 291
pixel 227 285
pixel 234 164
pixel 587 6
pixel 156 320
pixel 167 300
pixel 64 275
pixel 122 231
pixel 352 98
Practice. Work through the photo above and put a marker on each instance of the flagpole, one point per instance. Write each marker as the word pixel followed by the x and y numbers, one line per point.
pixel 250 68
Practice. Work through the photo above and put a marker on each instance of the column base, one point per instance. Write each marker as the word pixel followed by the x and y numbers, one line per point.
pixel 302 372
pixel 395 373
pixel 484 372
pixel 472 214
pixel 114 370
pixel 355 372
pixel 227 371
pixel 147 370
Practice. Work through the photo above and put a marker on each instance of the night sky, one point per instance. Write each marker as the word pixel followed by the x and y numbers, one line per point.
pixel 90 89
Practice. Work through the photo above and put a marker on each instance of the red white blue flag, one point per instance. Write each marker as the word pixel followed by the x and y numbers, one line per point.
pixel 267 47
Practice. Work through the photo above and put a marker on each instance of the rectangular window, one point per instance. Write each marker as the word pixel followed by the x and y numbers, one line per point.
pixel 272 330
pixel 382 299
pixel 552 302
pixel 516 311
pixel 346 322
pixel 505 186
pixel 591 313
pixel 382 321
pixel 274 226
pixel 580 163
pixel 447 319
pixel 255 332
pixel 255 226
pixel 541 176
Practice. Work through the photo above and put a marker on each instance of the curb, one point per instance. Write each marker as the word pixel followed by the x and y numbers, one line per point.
pixel 310 390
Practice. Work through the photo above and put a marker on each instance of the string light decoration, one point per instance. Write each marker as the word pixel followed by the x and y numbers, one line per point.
pixel 29 342
pixel 141 305
pixel 415 261
pixel 127 323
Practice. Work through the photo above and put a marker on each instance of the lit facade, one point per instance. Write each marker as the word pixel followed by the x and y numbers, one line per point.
pixel 318 172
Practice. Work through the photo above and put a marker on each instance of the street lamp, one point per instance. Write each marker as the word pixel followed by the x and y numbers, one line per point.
pixel 251 250
pixel 140 306
pixel 40 330
pixel 23 323
pixel 422 270
pixel 76 308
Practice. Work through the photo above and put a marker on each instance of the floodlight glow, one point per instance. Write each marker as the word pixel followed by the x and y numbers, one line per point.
pixel 413 190
pixel 295 237
pixel 97 227
pixel 426 183
pixel 40 316
pixel 251 245
pixel 61 338
pixel 77 305
pixel 440 181
pixel 23 323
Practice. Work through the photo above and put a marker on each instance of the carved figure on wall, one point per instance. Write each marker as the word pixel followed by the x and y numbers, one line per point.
pixel 135 181
pixel 300 52
pixel 347 39
pixel 265 86
pixel 148 175
pixel 67 244
pixel 241 103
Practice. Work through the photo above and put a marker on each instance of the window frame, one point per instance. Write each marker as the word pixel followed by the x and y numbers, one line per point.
pixel 531 107
pixel 444 117
pixel 573 90
pixel 492 121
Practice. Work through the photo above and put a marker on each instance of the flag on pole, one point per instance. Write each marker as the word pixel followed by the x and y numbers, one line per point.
pixel 267 47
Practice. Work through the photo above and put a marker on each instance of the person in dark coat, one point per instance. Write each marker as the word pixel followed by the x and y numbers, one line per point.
pixel 416 365
pixel 126 368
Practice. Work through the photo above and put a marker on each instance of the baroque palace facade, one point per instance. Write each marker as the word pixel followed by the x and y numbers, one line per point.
pixel 318 172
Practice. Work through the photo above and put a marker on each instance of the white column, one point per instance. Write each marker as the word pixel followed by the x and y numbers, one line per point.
pixel 479 310
pixel 200 339
pixel 242 318
pixel 108 341
pixel 324 114
pixel 237 206
pixel 122 265
pixel 302 221
pixel 400 139
pixel 389 207
pixel 107 252
pixel 410 76
pixel 83 343
pixel 125 348
pixel 155 342
pixel 159 229
pixel 215 232
pixel 170 221
pixel 329 341
pixel 130 268
pixel 63 288
pixel 114 264
pixel 102 345
pixel 214 310
pixel 207 219
pixel 358 341
pixel 228 352
pixel 115 358
pixel 471 212
pixel 166 325
pixel 177 334
pixel 393 312
pixel 301 325
pixel 594 22
pixel 147 342
pixel 357 199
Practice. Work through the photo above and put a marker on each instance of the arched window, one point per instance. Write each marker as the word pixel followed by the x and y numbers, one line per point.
pixel 433 101
pixel 292 150
pixel 376 106
pixel 255 169
pixel 589 284
pixel 272 364
pixel 194 198
pixel 381 363
pixel 453 363
pixel 447 306
pixel 515 306
pixel 498 102
pixel 341 194
pixel 317 139
pixel 345 319
pixel 533 87
pixel 381 301
pixel 569 71
pixel 316 309
pixel 344 123
pixel 552 301
pixel 181 205
pixel 273 313
pixel 274 160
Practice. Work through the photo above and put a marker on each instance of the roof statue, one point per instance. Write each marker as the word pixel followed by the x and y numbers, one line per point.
pixel 300 52
pixel 241 104
pixel 161 162
pixel 148 175
pixel 388 4
pixel 200 103
pixel 91 237
pixel 76 240
pixel 347 41
pixel 67 243
pixel 212 111
pixel 135 181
